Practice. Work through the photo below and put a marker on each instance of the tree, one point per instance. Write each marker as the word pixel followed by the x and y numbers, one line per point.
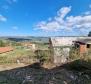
pixel 89 34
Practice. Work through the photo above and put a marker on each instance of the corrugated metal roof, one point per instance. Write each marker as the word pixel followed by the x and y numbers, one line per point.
pixel 67 41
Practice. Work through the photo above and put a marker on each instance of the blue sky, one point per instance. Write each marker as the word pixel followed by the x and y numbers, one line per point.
pixel 45 17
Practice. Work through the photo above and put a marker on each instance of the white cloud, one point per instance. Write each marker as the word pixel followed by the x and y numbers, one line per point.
pixel 78 21
pixel 2 18
pixel 63 12
pixel 15 28
pixel 62 21
pixel 54 24
pixel 49 26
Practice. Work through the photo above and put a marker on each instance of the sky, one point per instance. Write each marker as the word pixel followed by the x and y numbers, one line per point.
pixel 45 17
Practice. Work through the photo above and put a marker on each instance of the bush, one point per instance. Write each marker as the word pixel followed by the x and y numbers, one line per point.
pixel 79 60
pixel 74 54
pixel 2 44
pixel 42 55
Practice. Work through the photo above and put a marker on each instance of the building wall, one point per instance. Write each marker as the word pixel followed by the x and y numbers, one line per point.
pixel 60 56
pixel 63 41
pixel 83 49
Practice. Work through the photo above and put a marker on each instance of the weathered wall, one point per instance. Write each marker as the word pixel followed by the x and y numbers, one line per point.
pixel 61 55
pixel 83 49
pixel 66 41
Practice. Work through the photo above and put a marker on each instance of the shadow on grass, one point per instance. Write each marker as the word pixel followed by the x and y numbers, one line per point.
pixel 76 72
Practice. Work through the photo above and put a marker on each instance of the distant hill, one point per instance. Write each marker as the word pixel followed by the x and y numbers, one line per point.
pixel 27 38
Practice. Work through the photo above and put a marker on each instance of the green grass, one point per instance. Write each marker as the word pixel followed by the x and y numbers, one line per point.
pixel 21 53
pixel 42 46
pixel 17 54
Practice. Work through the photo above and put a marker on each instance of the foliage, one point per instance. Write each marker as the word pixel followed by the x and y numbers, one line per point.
pixel 20 52
pixel 23 55
pixel 80 60
pixel 2 44
pixel 42 46
pixel 13 43
pixel 42 55
pixel 89 34
pixel 74 53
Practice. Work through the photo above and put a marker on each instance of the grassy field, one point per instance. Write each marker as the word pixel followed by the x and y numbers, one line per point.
pixel 21 54
pixel 16 54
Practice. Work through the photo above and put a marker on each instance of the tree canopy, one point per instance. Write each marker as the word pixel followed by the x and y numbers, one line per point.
pixel 89 34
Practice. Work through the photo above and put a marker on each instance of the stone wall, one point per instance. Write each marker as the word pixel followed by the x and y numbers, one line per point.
pixel 61 55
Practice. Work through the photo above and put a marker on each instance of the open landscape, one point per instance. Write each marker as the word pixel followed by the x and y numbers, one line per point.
pixel 45 41
pixel 32 62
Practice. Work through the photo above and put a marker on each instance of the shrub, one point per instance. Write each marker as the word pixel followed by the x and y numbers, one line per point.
pixel 74 54
pixel 79 60
pixel 2 44
pixel 42 55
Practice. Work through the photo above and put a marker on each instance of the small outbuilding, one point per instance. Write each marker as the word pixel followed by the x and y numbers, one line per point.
pixel 61 47
pixel 28 45
pixel 83 45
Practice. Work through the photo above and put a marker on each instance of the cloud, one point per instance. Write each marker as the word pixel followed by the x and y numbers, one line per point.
pixel 2 18
pixel 54 24
pixel 49 26
pixel 15 28
pixel 63 22
pixel 63 12
pixel 78 22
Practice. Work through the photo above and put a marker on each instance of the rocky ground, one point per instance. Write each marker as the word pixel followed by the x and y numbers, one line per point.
pixel 36 74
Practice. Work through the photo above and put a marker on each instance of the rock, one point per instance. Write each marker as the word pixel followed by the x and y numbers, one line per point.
pixel 65 82
pixel 18 61
pixel 28 80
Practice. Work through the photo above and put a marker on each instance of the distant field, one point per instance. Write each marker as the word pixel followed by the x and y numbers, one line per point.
pixel 27 38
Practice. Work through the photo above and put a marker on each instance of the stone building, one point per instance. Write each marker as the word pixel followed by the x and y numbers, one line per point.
pixel 84 45
pixel 61 47
pixel 29 45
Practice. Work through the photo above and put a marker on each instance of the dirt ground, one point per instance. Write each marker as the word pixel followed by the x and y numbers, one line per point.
pixel 4 67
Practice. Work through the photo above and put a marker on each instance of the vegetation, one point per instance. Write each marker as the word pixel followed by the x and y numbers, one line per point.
pixel 76 72
pixel 2 44
pixel 13 43
pixel 74 53
pixel 89 34
pixel 24 56
pixel 43 55
pixel 80 60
